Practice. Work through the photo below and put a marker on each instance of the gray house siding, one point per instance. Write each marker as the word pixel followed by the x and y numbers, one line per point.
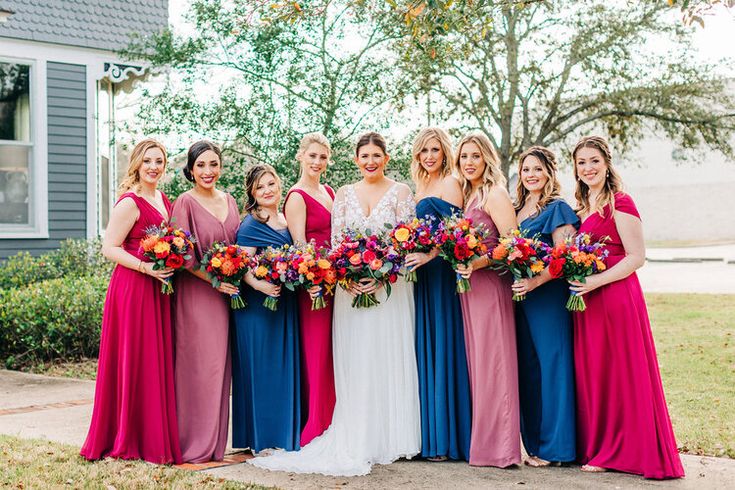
pixel 67 160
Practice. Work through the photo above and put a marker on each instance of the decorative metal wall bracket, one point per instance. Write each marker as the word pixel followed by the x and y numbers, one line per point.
pixel 117 72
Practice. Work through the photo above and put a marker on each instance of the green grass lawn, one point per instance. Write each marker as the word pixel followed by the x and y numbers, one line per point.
pixel 695 339
pixel 34 463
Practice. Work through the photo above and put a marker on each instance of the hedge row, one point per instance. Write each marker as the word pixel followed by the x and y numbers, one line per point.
pixel 57 319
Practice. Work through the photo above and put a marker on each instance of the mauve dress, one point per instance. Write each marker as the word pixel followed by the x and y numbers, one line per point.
pixel 134 414
pixel 317 371
pixel 490 337
pixel 622 420
pixel 202 319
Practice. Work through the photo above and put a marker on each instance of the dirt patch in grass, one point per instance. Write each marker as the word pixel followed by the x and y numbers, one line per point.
pixel 84 369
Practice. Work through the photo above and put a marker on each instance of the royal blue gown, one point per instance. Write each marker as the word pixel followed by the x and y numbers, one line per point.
pixel 266 397
pixel 545 353
pixel 444 387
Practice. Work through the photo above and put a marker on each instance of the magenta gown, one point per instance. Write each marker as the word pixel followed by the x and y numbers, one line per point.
pixel 317 378
pixel 134 415
pixel 490 338
pixel 202 326
pixel 622 420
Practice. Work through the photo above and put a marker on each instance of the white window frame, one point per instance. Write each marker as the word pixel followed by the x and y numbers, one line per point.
pixel 38 164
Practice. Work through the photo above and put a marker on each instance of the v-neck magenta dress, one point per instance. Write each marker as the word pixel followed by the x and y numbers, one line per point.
pixel 622 420
pixel 317 372
pixel 202 322
pixel 134 414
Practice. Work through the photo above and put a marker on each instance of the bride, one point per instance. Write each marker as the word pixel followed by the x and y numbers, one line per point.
pixel 376 417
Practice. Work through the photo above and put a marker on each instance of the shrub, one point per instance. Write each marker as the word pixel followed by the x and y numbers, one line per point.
pixel 57 319
pixel 23 268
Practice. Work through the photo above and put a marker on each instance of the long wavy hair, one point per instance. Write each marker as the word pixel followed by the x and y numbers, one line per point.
pixel 252 177
pixel 491 176
pixel 132 177
pixel 418 172
pixel 613 182
pixel 552 188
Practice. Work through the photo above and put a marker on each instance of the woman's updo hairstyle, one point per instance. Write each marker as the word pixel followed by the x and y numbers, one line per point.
pixel 371 138
pixel 195 151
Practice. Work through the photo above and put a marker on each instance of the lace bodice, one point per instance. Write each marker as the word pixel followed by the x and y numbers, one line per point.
pixel 396 205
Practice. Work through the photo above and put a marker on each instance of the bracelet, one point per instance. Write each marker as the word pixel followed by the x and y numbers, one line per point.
pixel 140 264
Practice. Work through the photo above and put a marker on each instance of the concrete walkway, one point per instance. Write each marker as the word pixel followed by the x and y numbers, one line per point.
pixel 59 409
pixel 707 270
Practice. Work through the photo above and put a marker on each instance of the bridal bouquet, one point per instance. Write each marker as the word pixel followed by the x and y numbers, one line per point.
pixel 314 269
pixel 521 256
pixel 460 243
pixel 228 264
pixel 415 236
pixel 167 246
pixel 574 260
pixel 363 255
pixel 272 265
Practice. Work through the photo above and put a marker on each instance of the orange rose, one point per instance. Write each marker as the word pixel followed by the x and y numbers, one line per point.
pixel 356 259
pixel 148 242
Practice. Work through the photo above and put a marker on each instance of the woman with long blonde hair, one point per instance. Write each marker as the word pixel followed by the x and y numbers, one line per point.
pixel 543 324
pixel 622 420
pixel 134 414
pixel 440 352
pixel 489 327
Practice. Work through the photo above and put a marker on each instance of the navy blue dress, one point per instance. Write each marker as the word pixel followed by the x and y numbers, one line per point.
pixel 265 360
pixel 444 387
pixel 545 353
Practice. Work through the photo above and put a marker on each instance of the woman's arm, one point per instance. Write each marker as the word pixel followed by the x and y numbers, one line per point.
pixel 295 209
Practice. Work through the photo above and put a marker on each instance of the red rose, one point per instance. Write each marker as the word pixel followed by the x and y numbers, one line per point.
pixel 556 267
pixel 174 261
pixel 461 252
pixel 393 278
pixel 368 256
pixel 231 250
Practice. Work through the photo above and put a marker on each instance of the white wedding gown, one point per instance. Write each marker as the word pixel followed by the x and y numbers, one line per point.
pixel 376 417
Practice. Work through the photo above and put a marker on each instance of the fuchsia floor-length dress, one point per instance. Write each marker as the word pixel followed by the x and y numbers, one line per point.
pixel 134 415
pixel 317 378
pixel 202 326
pixel 622 420
pixel 490 337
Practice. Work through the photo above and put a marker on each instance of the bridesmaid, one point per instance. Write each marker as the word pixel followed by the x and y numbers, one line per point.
pixel 622 420
pixel 444 387
pixel 308 209
pixel 265 368
pixel 134 415
pixel 202 333
pixel 488 312
pixel 543 324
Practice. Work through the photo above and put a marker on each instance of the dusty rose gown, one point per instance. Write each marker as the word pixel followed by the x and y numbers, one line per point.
pixel 317 374
pixel 490 337
pixel 201 320
pixel 134 415
pixel 622 420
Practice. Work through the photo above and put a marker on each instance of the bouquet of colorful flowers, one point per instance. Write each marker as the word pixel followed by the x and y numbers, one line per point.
pixel 521 256
pixel 273 265
pixel 574 260
pixel 363 255
pixel 314 269
pixel 459 244
pixel 415 236
pixel 228 264
pixel 167 246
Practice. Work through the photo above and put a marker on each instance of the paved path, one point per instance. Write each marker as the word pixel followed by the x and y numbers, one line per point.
pixel 59 409
pixel 708 269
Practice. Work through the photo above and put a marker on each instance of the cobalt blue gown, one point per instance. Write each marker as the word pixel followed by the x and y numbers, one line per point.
pixel 266 397
pixel 444 387
pixel 545 353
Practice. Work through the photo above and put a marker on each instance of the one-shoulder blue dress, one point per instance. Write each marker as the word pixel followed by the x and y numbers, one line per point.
pixel 444 387
pixel 266 400
pixel 545 353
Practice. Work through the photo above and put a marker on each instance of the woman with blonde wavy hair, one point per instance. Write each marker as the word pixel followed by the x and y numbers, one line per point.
pixel 134 415
pixel 543 324
pixel 440 352
pixel 487 309
pixel 622 420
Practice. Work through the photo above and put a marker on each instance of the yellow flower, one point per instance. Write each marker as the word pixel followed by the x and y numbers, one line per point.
pixel 323 264
pixel 162 247
pixel 179 242
pixel 537 267
pixel 601 265
pixel 471 241
pixel 402 234
pixel 261 271
pixel 216 262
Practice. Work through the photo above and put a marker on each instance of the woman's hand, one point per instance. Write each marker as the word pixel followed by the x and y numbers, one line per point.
pixel 464 270
pixel 160 274
pixel 525 285
pixel 591 283
pixel 268 288
pixel 415 260
pixel 314 292
pixel 364 286
pixel 228 289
